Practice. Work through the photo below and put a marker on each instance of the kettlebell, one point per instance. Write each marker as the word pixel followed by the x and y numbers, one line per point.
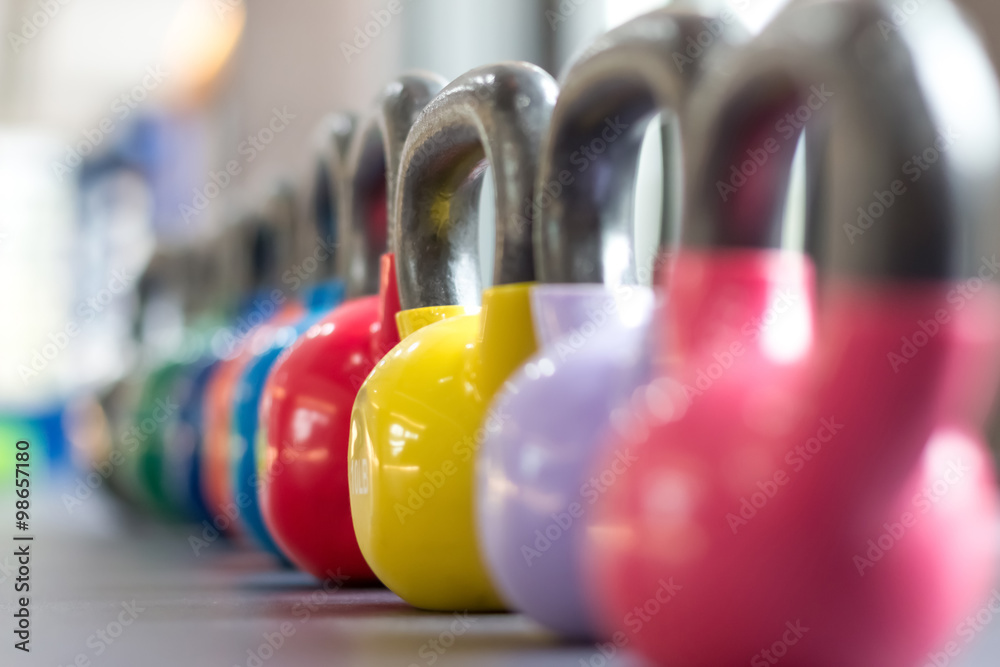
pixel 592 321
pixel 209 285
pixel 307 399
pixel 827 498
pixel 303 280
pixel 421 414
pixel 218 281
pixel 180 327
pixel 137 450
pixel 267 310
pixel 167 455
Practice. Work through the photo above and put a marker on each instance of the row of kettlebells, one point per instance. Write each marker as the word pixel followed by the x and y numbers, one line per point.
pixel 690 469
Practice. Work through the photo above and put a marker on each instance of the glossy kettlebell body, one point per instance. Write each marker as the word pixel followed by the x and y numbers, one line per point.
pixel 306 405
pixel 421 414
pixel 845 498
pixel 222 499
pixel 269 243
pixel 156 407
pixel 213 280
pixel 317 300
pixel 592 322
pixel 830 520
pixel 173 404
pixel 413 444
pixel 315 222
pixel 537 451
pixel 182 470
pixel 142 445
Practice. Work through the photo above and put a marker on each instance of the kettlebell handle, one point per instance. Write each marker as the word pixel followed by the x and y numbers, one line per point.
pixel 909 189
pixel 240 272
pixel 264 250
pixel 284 209
pixel 491 116
pixel 372 168
pixel 587 175
pixel 327 181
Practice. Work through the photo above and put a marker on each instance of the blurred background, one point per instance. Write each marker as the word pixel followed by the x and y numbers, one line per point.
pixel 118 119
pixel 129 127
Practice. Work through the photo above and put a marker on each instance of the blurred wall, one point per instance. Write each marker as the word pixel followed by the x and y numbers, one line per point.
pixel 986 15
pixel 302 58
pixel 292 55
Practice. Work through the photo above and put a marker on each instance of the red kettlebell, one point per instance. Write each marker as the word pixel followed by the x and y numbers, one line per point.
pixel 816 490
pixel 307 401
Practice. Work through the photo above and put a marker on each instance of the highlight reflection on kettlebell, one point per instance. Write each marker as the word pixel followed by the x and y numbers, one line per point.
pixel 891 434
pixel 304 469
pixel 418 413
pixel 591 319
pixel 753 435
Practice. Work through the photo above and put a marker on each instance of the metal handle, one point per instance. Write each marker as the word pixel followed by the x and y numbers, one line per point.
pixel 325 190
pixel 281 215
pixel 203 275
pixel 491 116
pixel 373 165
pixel 234 255
pixel 587 177
pixel 910 186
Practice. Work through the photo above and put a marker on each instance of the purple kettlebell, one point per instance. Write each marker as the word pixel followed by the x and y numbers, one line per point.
pixel 533 488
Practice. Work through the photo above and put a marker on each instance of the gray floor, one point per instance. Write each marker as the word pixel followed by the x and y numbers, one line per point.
pixel 90 570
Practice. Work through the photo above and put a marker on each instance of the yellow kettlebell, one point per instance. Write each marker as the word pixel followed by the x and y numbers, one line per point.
pixel 421 414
